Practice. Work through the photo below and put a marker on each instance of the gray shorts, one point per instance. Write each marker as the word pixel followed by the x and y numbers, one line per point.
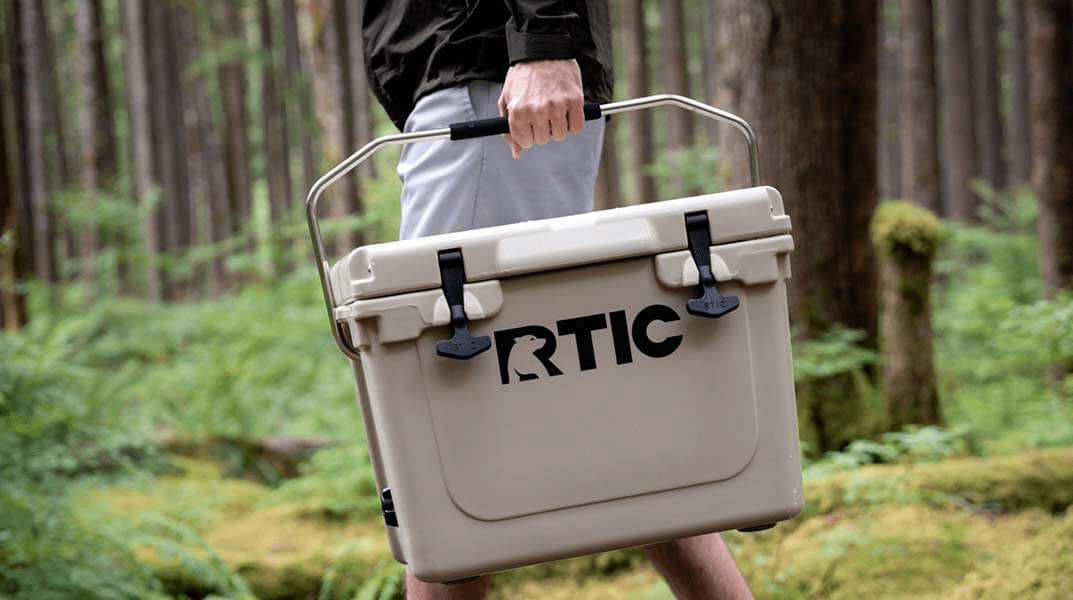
pixel 452 186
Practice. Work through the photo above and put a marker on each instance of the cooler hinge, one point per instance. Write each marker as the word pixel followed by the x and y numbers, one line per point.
pixel 711 304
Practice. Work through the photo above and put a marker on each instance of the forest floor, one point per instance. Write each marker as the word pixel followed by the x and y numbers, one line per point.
pixel 959 529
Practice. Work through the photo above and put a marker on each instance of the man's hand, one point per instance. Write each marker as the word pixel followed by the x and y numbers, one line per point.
pixel 542 100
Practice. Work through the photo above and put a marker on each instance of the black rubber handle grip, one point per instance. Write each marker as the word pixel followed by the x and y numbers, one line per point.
pixel 468 130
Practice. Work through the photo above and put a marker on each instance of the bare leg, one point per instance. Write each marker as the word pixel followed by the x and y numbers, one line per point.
pixel 699 568
pixel 420 590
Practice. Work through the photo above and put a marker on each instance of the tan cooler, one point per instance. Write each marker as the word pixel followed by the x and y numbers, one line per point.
pixel 561 387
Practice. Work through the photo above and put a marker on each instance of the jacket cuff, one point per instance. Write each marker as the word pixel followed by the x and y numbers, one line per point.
pixel 537 46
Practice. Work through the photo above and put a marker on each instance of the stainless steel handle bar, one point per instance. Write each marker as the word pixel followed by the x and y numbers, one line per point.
pixel 351 162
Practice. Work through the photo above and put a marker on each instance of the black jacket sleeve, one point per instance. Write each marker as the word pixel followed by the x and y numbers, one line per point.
pixel 540 29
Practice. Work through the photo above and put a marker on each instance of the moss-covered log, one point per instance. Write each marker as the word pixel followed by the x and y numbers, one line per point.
pixel 906 237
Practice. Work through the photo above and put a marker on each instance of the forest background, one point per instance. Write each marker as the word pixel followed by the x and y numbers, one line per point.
pixel 168 385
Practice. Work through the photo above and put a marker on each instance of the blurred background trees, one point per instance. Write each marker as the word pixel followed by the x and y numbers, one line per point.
pixel 162 149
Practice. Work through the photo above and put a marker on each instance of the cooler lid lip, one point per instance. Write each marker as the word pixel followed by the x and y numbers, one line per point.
pixel 496 252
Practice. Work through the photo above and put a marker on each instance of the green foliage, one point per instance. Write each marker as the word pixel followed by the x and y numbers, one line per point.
pixel 337 483
pixel 687 171
pixel 904 228
pixel 912 445
pixel 837 351
pixel 994 333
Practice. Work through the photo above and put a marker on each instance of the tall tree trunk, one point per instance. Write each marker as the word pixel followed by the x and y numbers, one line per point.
pixel 63 175
pixel 890 78
pixel 299 88
pixel 989 133
pixel 675 72
pixel 206 167
pixel 331 98
pixel 97 139
pixel 919 128
pixel 959 112
pixel 359 85
pixel 233 87
pixel 809 88
pixel 639 122
pixel 275 134
pixel 168 149
pixel 37 179
pixel 1019 130
pixel 145 183
pixel 1050 39
pixel 711 70
pixel 12 302
pixel 608 193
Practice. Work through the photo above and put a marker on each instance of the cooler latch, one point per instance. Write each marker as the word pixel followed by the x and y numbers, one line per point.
pixel 462 345
pixel 711 304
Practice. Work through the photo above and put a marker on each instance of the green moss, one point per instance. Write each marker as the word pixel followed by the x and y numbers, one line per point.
pixel 1041 568
pixel 904 229
pixel 1040 479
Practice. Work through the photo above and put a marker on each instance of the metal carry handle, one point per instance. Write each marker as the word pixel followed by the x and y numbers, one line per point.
pixel 485 128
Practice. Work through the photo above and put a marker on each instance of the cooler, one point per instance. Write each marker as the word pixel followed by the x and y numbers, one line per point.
pixel 567 386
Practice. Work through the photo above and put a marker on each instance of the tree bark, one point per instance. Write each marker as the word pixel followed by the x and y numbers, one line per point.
pixel 12 301
pixel 1050 38
pixel 37 176
pixel 207 167
pixel 675 71
pixel 233 87
pixel 299 88
pixel 1019 130
pixel 890 77
pixel 97 143
pixel 359 86
pixel 331 98
pixel 959 133
pixel 919 127
pixel 809 89
pixel 145 183
pixel 639 122
pixel 711 68
pixel 989 132
pixel 274 122
pixel 63 175
pixel 608 193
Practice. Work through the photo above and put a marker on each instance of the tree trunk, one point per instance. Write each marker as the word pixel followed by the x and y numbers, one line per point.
pixel 639 122
pixel 959 133
pixel 1050 38
pixel 275 135
pixel 207 167
pixel 890 77
pixel 919 128
pixel 12 301
pixel 809 88
pixel 711 69
pixel 1019 130
pixel 608 193
pixel 167 136
pixel 145 183
pixel 299 88
pixel 989 133
pixel 359 86
pixel 906 238
pixel 330 93
pixel 680 123
pixel 233 87
pixel 20 171
pixel 63 175
pixel 97 158
pixel 37 176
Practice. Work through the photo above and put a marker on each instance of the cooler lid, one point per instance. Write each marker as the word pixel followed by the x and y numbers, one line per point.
pixel 391 268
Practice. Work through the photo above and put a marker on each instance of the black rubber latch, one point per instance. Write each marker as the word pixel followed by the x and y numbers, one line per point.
pixel 711 304
pixel 462 345
pixel 387 508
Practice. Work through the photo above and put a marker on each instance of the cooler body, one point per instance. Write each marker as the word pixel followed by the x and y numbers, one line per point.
pixel 606 411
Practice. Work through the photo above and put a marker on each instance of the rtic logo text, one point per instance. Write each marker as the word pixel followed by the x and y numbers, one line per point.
pixel 526 353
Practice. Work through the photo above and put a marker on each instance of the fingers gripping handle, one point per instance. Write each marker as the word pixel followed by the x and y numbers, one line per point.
pixel 469 130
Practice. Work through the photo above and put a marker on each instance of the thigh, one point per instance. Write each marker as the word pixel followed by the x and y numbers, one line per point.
pixel 452 186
